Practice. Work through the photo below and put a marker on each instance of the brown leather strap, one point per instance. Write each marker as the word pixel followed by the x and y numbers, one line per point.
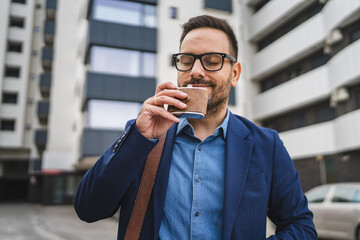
pixel 143 196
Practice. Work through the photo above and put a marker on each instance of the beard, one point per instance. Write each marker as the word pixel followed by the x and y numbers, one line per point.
pixel 219 96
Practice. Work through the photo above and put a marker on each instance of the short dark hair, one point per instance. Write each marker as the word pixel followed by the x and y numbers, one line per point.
pixel 206 21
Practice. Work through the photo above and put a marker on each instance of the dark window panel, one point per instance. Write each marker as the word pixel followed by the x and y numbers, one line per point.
pixel 9 97
pixel 358 99
pixel 354 34
pixel 260 4
pixel 7 125
pixel 173 12
pixel 325 113
pixel 17 22
pixel 224 5
pixel 12 72
pixel 14 46
pixel 19 1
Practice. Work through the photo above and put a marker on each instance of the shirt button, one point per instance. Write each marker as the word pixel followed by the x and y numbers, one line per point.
pixel 198 179
pixel 197 214
pixel 200 148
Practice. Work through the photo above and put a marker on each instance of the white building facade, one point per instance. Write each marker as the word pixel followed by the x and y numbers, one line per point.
pixel 73 73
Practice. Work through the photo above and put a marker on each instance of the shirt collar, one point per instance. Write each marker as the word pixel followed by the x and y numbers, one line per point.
pixel 184 125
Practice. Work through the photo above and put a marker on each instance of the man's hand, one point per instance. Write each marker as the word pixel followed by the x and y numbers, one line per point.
pixel 153 120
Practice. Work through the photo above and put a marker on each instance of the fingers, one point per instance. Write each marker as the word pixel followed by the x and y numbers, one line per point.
pixel 172 93
pixel 163 86
pixel 162 100
pixel 156 111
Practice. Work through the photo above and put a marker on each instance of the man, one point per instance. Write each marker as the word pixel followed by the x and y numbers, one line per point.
pixel 219 177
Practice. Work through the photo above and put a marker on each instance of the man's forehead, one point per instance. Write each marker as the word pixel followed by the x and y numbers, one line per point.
pixel 205 38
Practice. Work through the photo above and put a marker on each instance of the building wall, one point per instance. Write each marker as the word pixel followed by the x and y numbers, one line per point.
pixel 82 76
pixel 15 60
pixel 302 64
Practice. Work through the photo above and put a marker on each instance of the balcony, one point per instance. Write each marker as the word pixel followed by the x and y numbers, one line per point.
pixel 119 88
pixel 272 15
pixel 43 111
pixel 289 48
pixel 307 88
pixel 51 7
pixel 347 131
pixel 45 84
pixel 338 12
pixel 344 66
pixel 49 32
pixel 47 58
pixel 318 139
pixel 96 141
pixel 41 139
pixel 122 36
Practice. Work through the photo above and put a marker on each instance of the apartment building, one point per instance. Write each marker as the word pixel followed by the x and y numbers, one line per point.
pixel 73 72
pixel 304 70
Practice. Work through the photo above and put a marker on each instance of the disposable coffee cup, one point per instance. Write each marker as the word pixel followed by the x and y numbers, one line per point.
pixel 196 102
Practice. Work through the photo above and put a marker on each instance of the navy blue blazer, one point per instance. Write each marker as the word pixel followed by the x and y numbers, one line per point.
pixel 260 181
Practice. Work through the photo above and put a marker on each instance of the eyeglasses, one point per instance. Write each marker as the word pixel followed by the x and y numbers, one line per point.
pixel 212 61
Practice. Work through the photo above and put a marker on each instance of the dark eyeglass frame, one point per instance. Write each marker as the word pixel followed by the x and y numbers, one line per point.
pixel 199 56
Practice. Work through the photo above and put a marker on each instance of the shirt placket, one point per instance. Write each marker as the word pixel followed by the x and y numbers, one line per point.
pixel 198 193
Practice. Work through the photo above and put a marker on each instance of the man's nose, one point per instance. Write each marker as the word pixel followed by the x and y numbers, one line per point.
pixel 197 70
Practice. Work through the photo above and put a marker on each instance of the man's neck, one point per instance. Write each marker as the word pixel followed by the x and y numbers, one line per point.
pixel 206 126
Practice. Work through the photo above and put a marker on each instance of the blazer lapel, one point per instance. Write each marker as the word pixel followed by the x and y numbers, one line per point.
pixel 161 181
pixel 238 155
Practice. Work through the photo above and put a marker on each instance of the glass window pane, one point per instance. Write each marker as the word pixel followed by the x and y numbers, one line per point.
pixel 318 194
pixel 344 194
pixel 150 16
pixel 115 61
pixel 149 64
pixel 105 114
pixel 118 11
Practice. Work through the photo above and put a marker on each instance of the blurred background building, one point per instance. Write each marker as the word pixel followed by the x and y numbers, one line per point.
pixel 73 72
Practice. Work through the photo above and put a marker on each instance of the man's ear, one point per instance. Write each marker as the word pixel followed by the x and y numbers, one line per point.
pixel 236 72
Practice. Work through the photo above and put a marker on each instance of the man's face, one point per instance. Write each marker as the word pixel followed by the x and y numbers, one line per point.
pixel 218 83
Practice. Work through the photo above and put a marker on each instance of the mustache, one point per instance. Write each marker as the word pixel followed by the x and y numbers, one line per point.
pixel 199 81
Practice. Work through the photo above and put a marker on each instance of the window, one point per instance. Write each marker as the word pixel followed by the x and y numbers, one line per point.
pixel 17 22
pixel 290 24
pixel 357 99
pixel 12 72
pixel 7 124
pixel 346 194
pixel 9 97
pixel 306 116
pixel 122 62
pixel 14 46
pixel 107 114
pixel 125 12
pixel 19 1
pixel 304 65
pixel 173 12
pixel 318 194
pixel 260 4
pixel 354 34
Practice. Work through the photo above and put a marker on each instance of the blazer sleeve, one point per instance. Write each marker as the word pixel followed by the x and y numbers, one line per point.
pixel 102 187
pixel 288 206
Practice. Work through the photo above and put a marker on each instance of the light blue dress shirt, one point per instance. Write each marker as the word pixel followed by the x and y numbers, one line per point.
pixel 195 192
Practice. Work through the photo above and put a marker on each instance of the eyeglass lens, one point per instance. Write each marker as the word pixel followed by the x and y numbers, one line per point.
pixel 211 62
